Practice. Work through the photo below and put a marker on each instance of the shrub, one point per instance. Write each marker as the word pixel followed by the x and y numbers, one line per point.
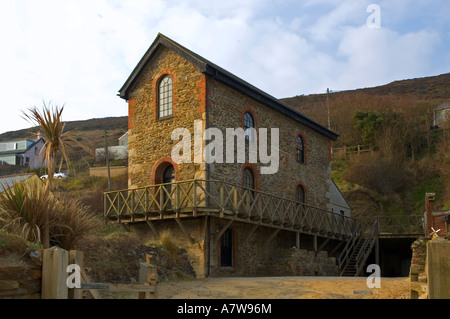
pixel 385 177
pixel 23 208
pixel 168 242
pixel 70 222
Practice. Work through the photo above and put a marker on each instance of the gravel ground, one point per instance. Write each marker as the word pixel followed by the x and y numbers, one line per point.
pixel 284 288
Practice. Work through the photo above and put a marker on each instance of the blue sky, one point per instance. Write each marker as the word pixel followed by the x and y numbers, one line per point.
pixel 79 53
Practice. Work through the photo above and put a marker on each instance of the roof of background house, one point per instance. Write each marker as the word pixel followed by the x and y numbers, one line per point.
pixel 9 180
pixel 222 75
pixel 22 150
pixel 337 198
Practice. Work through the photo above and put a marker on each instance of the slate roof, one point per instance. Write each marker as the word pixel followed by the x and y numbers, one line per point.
pixel 216 72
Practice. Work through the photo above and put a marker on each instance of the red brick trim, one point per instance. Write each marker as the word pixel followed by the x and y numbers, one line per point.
pixel 156 80
pixel 305 190
pixel 305 147
pixel 160 166
pixel 255 174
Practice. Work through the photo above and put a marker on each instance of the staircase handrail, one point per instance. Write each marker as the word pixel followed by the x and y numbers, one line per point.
pixel 366 248
pixel 349 246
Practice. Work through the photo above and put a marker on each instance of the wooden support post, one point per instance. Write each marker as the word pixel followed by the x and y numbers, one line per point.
pixel 223 230
pixel 184 230
pixel 324 244
pixel 315 243
pixel 297 240
pixel 148 275
pixel 272 236
pixel 341 243
pixel 152 227
pixel 76 257
pixel 54 273
pixel 251 232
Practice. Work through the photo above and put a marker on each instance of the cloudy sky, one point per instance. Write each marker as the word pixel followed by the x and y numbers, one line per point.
pixel 79 53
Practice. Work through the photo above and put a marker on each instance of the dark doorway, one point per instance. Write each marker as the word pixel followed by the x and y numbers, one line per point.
pixel 226 249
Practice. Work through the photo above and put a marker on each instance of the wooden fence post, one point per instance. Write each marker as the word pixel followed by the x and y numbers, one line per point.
pixel 148 275
pixel 76 257
pixel 54 273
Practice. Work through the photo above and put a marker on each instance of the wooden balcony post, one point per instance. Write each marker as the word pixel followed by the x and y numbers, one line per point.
pixel 221 198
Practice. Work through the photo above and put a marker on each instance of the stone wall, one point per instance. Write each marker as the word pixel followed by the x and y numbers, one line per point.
pixel 22 282
pixel 253 254
pixel 226 110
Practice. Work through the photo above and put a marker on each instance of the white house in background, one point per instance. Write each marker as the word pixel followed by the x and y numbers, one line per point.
pixel 115 152
pixel 338 203
pixel 442 115
pixel 22 153
pixel 123 140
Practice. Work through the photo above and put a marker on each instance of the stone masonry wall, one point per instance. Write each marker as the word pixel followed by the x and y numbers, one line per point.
pixel 150 140
pixel 226 110
pixel 22 282
pixel 253 256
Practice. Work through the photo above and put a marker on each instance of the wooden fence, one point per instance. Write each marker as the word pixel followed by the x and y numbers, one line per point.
pixel 350 150
pixel 55 276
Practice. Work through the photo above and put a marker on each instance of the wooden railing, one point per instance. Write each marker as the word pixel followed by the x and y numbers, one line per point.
pixel 196 197
pixel 396 225
pixel 356 251
pixel 349 247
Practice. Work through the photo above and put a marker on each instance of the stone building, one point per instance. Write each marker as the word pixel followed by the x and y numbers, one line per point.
pixel 265 213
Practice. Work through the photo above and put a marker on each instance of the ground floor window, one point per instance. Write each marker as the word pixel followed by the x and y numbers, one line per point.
pixel 226 249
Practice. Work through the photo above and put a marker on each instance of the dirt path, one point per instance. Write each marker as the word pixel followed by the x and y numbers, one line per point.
pixel 284 288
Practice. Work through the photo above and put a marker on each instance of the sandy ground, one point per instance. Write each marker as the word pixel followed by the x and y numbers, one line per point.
pixel 284 288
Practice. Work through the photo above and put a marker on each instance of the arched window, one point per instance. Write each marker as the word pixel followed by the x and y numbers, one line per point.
pixel 300 149
pixel 249 122
pixel 249 178
pixel 165 103
pixel 300 194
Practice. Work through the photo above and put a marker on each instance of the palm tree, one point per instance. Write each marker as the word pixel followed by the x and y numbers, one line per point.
pixel 56 143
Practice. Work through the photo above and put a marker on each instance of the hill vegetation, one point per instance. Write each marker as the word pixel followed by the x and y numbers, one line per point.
pixel 408 155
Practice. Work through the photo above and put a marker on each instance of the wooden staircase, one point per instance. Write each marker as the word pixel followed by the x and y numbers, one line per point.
pixel 355 253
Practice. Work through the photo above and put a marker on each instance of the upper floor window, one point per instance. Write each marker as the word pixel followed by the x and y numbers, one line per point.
pixel 300 149
pixel 165 104
pixel 249 122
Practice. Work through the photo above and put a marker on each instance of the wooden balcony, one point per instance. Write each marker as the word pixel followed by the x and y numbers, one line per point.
pixel 220 199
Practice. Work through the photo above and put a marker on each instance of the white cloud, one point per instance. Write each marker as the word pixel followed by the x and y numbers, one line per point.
pixel 80 53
